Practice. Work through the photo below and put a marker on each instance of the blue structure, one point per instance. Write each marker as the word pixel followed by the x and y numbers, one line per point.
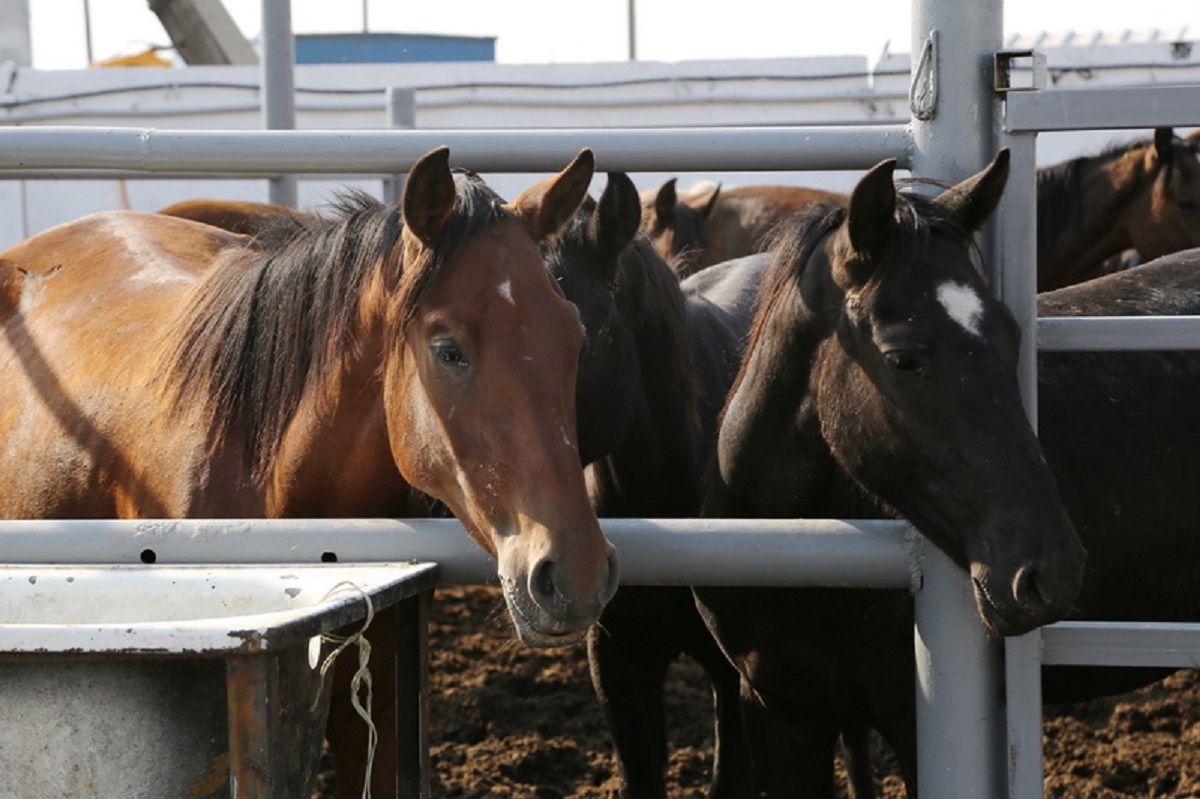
pixel 386 48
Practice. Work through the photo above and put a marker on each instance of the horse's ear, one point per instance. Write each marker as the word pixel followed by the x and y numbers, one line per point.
pixel 429 196
pixel 547 206
pixel 971 202
pixel 618 215
pixel 1164 145
pixel 705 207
pixel 664 206
pixel 872 204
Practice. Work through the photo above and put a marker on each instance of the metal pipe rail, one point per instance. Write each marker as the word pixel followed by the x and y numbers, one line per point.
pixel 1118 333
pixel 751 552
pixel 497 150
pixel 1077 643
pixel 1101 109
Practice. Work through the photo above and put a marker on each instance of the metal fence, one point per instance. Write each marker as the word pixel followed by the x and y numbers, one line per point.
pixel 969 744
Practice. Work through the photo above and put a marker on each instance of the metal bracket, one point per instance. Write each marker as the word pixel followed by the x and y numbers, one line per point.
pixel 1005 61
pixel 922 94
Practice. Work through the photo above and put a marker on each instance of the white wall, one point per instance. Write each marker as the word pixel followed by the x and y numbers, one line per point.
pixel 844 90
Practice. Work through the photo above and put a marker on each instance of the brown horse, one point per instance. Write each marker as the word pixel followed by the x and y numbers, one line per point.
pixel 1142 196
pixel 236 216
pixel 656 362
pixel 352 366
pixel 709 225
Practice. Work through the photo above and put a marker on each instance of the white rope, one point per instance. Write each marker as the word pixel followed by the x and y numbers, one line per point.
pixel 362 677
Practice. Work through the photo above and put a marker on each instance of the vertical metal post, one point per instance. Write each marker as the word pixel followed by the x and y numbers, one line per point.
pixel 632 20
pixel 279 84
pixel 960 729
pixel 1015 277
pixel 1023 709
pixel 960 725
pixel 401 113
pixel 955 112
pixel 1015 264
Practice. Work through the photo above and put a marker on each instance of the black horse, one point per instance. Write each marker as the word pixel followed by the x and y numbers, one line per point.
pixel 657 361
pixel 879 380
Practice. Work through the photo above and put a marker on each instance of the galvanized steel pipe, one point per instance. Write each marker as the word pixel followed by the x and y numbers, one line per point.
pixel 751 552
pixel 498 150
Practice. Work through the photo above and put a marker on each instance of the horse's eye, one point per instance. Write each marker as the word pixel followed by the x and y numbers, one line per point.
pixel 1187 205
pixel 449 353
pixel 905 362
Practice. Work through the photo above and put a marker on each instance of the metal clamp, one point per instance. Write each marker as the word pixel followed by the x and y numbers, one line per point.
pixel 1004 62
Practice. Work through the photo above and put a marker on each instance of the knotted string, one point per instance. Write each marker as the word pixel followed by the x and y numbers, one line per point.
pixel 362 677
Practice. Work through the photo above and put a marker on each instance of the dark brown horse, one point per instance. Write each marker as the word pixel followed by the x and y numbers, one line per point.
pixel 654 369
pixel 1142 196
pixel 879 380
pixel 1120 434
pixel 352 366
pixel 711 225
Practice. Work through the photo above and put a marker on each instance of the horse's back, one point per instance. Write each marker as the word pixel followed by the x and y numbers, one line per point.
pixel 1121 431
pixel 1167 286
pixel 731 286
pixel 86 305
pixel 115 250
pixel 720 308
pixel 744 219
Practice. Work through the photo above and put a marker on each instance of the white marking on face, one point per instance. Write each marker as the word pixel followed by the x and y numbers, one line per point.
pixel 964 305
pixel 506 291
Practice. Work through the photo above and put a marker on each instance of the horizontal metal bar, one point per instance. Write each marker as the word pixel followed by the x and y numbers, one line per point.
pixel 1101 109
pixel 750 552
pixel 1077 643
pixel 1119 333
pixel 128 174
pixel 386 151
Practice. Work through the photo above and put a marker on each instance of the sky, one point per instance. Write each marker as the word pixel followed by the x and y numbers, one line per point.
pixel 559 31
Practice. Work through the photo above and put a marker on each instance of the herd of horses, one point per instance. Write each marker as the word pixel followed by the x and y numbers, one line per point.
pixel 532 366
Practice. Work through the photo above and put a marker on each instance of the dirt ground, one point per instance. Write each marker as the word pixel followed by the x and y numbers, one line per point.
pixel 510 721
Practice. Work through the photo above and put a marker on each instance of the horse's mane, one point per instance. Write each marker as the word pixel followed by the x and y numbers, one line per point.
pixel 263 328
pixel 1060 195
pixel 649 295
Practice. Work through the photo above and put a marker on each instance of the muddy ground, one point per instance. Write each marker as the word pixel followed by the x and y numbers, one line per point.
pixel 510 721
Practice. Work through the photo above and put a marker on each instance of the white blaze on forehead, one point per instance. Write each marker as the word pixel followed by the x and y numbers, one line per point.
pixel 506 291
pixel 963 304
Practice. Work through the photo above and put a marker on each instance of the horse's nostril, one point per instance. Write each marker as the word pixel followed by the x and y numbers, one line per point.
pixel 542 584
pixel 1028 589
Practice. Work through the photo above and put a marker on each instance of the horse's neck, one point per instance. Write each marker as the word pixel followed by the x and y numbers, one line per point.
pixel 657 468
pixel 335 458
pixel 655 471
pixel 1100 227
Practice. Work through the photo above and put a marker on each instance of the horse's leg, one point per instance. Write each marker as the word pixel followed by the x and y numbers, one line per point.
pixel 856 748
pixel 629 652
pixel 732 770
pixel 347 732
pixel 792 758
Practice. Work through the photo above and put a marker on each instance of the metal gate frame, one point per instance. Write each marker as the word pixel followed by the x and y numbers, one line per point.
pixel 958 121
